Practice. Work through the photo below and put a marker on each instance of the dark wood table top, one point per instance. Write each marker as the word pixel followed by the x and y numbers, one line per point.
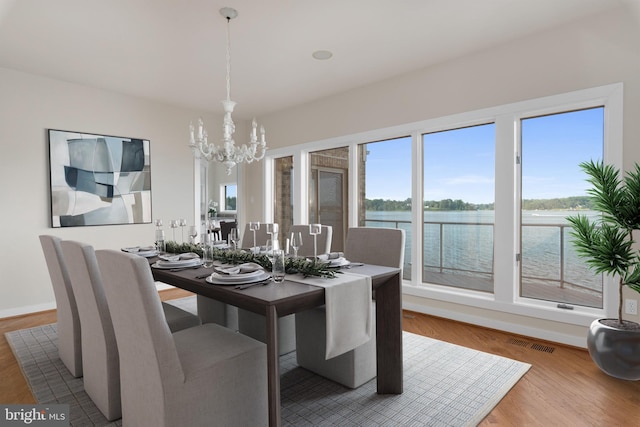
pixel 288 297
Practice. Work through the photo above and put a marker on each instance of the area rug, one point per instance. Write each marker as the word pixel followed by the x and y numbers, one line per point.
pixel 444 385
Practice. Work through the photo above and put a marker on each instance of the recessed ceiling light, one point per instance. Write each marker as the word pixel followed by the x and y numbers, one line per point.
pixel 322 54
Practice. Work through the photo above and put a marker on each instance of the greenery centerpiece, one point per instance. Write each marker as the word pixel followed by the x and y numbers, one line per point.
pixel 293 265
pixel 607 243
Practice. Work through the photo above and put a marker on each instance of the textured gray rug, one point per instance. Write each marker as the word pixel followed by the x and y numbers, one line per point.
pixel 444 385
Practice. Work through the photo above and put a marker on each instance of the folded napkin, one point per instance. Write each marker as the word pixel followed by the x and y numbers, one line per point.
pixel 179 257
pixel 348 310
pixel 247 267
pixel 135 249
pixel 330 256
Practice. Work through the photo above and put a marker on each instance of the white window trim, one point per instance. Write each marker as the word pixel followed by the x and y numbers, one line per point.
pixel 506 119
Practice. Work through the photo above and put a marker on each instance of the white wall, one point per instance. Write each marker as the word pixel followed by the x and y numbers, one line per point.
pixel 593 52
pixel 29 105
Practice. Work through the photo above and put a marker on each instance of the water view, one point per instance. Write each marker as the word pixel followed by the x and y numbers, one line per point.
pixel 459 244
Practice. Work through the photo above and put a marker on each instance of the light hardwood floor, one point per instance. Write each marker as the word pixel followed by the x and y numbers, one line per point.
pixel 562 388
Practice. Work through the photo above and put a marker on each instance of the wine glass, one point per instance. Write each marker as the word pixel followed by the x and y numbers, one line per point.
pixel 174 224
pixel 207 254
pixel 296 242
pixel 272 246
pixel 182 223
pixel 193 233
pixel 234 237
pixel 314 230
pixel 158 223
pixel 272 228
pixel 253 226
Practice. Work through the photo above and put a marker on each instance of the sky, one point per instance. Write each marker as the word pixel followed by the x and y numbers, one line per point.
pixel 459 164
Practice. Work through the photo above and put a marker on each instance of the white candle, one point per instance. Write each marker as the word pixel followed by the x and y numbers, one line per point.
pixel 254 125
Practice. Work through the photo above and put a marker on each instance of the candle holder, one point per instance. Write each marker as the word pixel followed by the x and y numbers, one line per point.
pixel 314 230
pixel 253 226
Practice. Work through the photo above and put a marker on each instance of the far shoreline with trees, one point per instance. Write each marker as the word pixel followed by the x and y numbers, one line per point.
pixel 567 203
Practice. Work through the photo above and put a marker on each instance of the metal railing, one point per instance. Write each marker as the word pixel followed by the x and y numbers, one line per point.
pixel 440 267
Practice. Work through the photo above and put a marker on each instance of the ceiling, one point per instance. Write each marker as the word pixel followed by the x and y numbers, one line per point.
pixel 173 51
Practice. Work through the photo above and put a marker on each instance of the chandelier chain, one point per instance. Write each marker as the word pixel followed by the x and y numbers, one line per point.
pixel 228 59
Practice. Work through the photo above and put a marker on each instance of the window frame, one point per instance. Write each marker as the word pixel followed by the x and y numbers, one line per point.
pixel 507 196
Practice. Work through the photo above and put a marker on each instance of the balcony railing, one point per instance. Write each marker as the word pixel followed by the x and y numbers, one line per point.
pixel 543 270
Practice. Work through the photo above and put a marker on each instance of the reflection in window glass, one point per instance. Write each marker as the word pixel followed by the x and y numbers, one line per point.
pixel 283 194
pixel 554 187
pixel 328 183
pixel 384 188
pixel 458 228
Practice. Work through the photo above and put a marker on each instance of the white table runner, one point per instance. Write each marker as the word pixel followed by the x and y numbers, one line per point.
pixel 348 308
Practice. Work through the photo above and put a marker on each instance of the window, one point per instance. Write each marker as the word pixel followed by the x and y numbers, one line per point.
pixel 230 196
pixel 554 187
pixel 328 179
pixel 458 207
pixel 384 188
pixel 476 225
pixel 283 193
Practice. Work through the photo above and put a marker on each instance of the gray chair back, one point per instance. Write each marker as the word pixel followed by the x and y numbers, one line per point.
pixel 148 358
pixel 261 236
pixel 374 245
pixel 68 320
pixel 199 376
pixel 323 240
pixel 99 348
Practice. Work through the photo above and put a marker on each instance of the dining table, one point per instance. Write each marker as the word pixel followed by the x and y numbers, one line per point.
pixel 275 300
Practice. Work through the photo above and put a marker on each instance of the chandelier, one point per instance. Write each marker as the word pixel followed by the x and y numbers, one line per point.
pixel 228 152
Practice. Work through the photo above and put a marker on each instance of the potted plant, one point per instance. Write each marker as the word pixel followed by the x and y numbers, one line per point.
pixel 607 245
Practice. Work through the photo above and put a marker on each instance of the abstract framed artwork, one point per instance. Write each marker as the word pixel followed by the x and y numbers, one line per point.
pixel 98 179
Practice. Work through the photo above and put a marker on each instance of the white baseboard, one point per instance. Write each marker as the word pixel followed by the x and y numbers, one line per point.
pixel 28 309
pixel 546 335
pixel 18 311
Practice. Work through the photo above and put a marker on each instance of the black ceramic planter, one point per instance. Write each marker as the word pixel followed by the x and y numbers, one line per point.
pixel 615 351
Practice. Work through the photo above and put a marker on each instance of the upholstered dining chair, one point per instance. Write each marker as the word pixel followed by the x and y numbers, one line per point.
pixel 261 236
pixel 225 228
pixel 101 366
pixel 253 324
pixel 370 245
pixel 68 320
pixel 201 376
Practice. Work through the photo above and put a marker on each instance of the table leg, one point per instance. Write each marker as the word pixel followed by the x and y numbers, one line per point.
pixel 273 367
pixel 389 336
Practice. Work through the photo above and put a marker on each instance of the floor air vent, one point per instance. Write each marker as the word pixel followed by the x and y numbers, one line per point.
pixel 533 346
pixel 516 341
pixel 544 348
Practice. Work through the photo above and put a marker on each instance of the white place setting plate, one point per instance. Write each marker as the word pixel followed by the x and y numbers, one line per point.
pixel 339 262
pixel 223 279
pixel 145 251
